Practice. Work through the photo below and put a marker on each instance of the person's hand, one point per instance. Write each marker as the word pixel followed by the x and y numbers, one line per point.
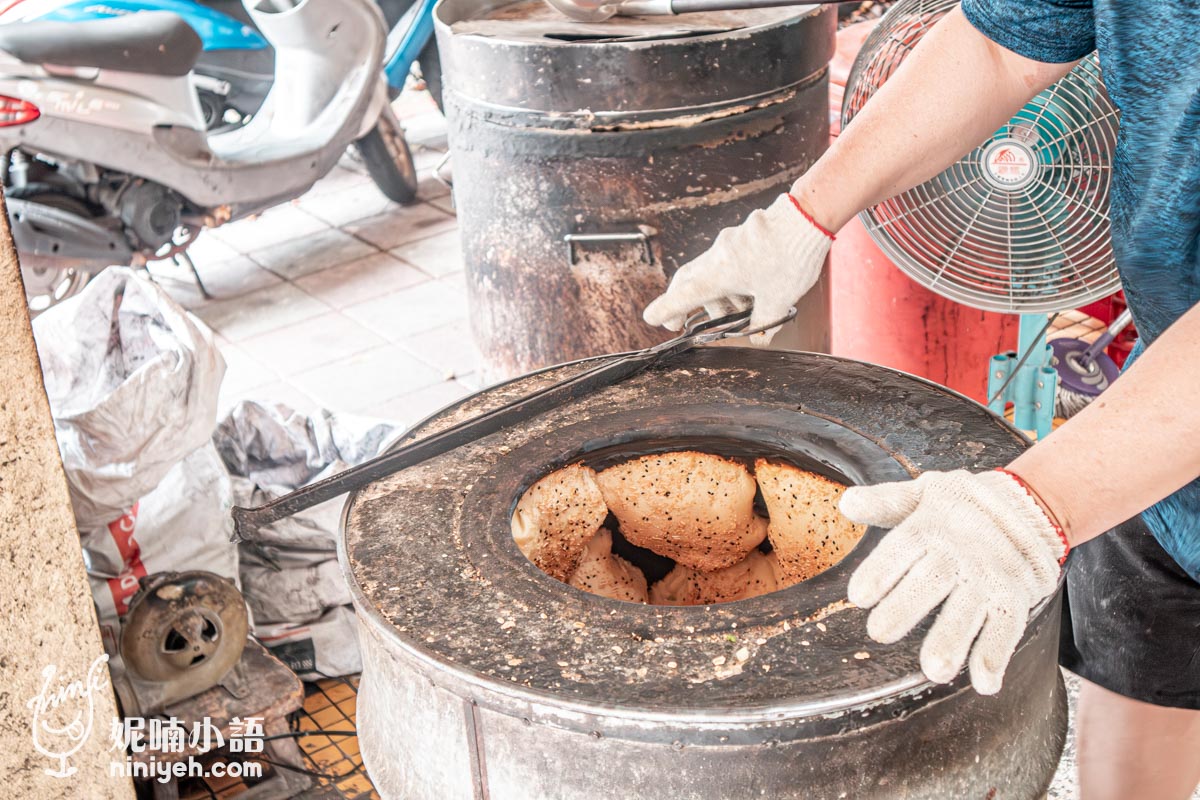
pixel 979 542
pixel 769 261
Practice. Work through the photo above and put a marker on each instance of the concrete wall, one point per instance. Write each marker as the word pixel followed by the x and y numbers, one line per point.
pixel 47 620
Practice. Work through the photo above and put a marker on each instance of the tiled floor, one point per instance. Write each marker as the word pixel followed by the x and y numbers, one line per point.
pixel 342 299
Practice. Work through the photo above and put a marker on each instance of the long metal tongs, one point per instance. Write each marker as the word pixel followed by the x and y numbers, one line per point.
pixel 697 331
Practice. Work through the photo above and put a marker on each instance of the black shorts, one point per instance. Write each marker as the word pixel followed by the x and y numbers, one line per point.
pixel 1131 620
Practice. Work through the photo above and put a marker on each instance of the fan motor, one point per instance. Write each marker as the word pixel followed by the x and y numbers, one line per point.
pixel 184 633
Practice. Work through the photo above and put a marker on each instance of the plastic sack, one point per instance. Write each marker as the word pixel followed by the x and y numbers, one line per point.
pixel 273 445
pixel 324 648
pixel 181 524
pixel 295 592
pixel 293 584
pixel 133 382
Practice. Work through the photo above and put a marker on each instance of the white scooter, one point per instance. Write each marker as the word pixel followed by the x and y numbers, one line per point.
pixel 106 155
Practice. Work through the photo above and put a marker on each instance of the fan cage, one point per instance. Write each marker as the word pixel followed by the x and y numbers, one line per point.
pixel 1039 244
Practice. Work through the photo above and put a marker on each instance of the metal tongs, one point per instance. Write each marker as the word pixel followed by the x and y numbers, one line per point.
pixel 698 330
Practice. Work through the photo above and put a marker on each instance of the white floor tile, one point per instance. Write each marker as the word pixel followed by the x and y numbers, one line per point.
pixel 274 226
pixel 410 311
pixel 312 343
pixel 364 380
pixel 260 311
pixel 439 255
pixel 361 280
pixel 314 252
pixel 402 225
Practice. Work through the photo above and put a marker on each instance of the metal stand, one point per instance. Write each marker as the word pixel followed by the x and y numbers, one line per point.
pixel 1028 382
pixel 179 258
pixel 184 259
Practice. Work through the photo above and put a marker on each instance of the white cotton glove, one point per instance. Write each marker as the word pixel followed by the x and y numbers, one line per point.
pixel 979 542
pixel 769 261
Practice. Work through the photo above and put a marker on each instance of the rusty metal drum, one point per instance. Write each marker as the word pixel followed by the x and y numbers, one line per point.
pixel 486 678
pixel 591 161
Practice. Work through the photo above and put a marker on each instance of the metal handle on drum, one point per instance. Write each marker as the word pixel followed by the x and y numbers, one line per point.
pixel 448 182
pixel 642 234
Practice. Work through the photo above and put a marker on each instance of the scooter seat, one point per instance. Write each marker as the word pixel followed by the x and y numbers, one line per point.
pixel 147 42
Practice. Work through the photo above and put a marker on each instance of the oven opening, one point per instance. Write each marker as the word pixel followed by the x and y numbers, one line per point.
pixel 700 524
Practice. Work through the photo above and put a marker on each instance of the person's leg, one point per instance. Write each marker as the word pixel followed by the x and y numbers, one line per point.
pixel 1132 632
pixel 1126 748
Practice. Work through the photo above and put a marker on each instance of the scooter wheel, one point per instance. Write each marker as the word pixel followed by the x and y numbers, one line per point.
pixel 388 160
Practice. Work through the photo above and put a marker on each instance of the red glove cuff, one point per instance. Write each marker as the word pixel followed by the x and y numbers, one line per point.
pixel 1029 491
pixel 808 217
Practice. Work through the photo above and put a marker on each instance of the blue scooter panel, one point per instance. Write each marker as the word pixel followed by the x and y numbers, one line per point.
pixel 218 31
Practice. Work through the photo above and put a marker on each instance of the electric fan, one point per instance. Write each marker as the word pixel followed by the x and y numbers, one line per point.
pixel 1019 225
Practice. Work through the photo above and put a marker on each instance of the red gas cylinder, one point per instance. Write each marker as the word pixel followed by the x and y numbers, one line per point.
pixel 879 314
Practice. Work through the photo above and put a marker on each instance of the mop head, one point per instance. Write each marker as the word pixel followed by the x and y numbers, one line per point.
pixel 1080 381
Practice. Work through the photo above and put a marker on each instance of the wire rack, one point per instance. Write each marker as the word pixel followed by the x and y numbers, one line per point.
pixel 1021 223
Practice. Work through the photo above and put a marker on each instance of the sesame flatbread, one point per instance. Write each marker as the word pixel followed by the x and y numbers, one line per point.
pixel 557 517
pixel 695 508
pixel 602 572
pixel 684 586
pixel 807 532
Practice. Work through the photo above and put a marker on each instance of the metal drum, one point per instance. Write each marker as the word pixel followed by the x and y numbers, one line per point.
pixel 485 678
pixel 591 161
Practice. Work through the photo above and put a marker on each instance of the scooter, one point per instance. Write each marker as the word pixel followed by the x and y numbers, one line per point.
pixel 237 67
pixel 233 73
pixel 109 159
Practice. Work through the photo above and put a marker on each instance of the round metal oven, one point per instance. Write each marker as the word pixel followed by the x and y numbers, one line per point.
pixel 591 161
pixel 486 678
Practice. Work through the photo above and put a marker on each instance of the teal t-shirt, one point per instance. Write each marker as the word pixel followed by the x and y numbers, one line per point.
pixel 1150 55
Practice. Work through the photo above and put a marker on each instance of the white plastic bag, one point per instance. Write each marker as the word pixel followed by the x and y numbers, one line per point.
pixel 133 381
pixel 290 576
pixel 181 524
pixel 290 591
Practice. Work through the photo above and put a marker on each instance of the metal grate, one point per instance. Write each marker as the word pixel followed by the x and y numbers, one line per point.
pixel 329 705
pixel 1021 223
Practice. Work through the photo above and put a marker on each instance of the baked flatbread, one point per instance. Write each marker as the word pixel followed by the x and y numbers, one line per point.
pixel 557 517
pixel 693 507
pixel 605 573
pixel 807 532
pixel 684 586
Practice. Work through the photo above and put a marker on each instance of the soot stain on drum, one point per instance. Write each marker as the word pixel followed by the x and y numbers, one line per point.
pixel 604 282
pixel 726 127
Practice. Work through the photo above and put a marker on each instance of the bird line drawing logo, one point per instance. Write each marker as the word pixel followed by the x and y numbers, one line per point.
pixel 63 713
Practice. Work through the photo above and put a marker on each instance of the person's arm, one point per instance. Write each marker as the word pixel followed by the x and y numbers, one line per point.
pixel 954 90
pixel 986 547
pixel 949 95
pixel 1144 429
